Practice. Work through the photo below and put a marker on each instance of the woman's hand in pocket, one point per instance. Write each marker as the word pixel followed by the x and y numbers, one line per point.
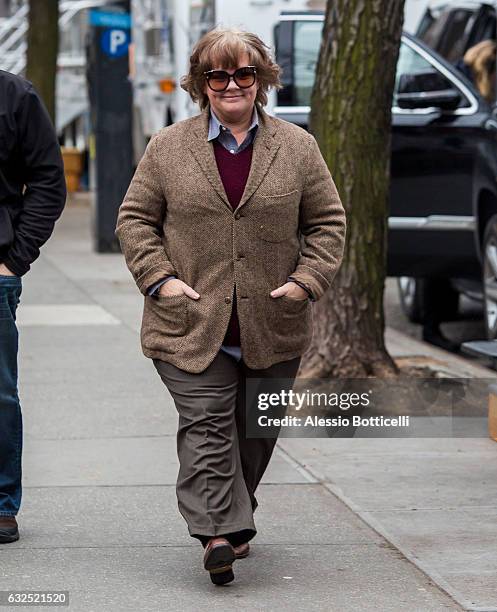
pixel 290 290
pixel 177 287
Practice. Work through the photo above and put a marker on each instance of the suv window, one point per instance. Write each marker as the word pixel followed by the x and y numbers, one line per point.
pixel 446 30
pixel 488 29
pixel 452 31
pixel 452 44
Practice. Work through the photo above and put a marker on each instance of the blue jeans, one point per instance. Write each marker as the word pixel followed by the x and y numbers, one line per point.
pixel 10 408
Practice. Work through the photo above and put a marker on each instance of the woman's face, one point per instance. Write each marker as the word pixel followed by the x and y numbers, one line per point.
pixel 234 103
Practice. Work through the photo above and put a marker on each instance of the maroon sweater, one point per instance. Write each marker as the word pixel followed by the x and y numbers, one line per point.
pixel 234 170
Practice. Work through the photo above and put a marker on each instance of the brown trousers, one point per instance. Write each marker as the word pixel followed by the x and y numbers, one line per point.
pixel 219 467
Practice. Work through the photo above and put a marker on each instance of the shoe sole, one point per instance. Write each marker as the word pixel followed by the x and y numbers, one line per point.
pixel 218 563
pixel 222 577
pixel 6 538
pixel 220 558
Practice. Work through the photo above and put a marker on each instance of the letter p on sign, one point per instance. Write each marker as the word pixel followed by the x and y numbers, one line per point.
pixel 115 42
pixel 117 38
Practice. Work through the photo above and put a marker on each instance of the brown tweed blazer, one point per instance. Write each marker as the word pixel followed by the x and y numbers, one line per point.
pixel 176 219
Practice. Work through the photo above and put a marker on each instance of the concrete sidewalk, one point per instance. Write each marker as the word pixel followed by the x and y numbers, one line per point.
pixel 343 525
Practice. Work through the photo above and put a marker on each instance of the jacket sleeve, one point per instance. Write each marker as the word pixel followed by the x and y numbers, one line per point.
pixel 43 176
pixel 322 226
pixel 139 224
pixel 156 286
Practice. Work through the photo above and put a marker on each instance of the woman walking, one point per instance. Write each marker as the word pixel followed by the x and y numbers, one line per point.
pixel 230 227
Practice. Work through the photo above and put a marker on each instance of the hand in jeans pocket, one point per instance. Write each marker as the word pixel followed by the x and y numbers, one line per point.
pixel 4 271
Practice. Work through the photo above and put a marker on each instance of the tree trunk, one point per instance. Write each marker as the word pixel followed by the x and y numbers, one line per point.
pixel 43 45
pixel 351 120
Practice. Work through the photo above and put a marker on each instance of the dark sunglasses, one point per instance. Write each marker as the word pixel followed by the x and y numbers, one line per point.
pixel 218 80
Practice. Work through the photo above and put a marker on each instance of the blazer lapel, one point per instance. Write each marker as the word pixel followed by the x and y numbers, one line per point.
pixel 203 152
pixel 265 146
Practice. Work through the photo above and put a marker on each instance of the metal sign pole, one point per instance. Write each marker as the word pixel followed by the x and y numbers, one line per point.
pixel 111 103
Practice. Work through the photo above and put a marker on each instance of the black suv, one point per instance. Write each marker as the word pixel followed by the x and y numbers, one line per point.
pixel 443 195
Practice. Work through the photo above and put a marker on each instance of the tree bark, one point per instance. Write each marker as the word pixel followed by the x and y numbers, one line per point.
pixel 351 120
pixel 43 46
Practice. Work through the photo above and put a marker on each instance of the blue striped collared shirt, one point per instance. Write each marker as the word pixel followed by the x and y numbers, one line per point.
pixel 226 138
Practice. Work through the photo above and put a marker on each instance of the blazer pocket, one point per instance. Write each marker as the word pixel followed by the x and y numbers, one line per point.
pixel 279 195
pixel 278 216
pixel 170 314
pixel 292 301
pixel 291 324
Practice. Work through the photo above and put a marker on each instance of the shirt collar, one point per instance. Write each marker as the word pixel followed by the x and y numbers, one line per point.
pixel 215 124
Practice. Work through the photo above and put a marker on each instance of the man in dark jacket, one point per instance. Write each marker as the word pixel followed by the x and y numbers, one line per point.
pixel 32 197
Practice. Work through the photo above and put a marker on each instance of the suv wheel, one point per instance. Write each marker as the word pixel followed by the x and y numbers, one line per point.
pixel 410 298
pixel 418 296
pixel 489 271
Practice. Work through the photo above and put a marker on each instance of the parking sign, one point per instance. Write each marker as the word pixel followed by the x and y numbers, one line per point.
pixel 115 42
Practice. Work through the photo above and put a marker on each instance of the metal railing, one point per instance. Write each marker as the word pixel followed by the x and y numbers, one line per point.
pixel 13 32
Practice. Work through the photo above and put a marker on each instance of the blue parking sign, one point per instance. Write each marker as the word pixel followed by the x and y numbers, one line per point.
pixel 115 42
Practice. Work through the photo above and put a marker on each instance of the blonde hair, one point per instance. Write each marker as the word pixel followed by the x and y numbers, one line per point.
pixel 224 47
pixel 481 59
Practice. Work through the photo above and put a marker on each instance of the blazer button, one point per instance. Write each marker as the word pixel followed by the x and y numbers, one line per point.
pixel 227 300
pixel 237 216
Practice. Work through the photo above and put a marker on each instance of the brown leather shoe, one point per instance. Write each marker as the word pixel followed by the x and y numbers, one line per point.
pixel 9 531
pixel 242 550
pixel 218 559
